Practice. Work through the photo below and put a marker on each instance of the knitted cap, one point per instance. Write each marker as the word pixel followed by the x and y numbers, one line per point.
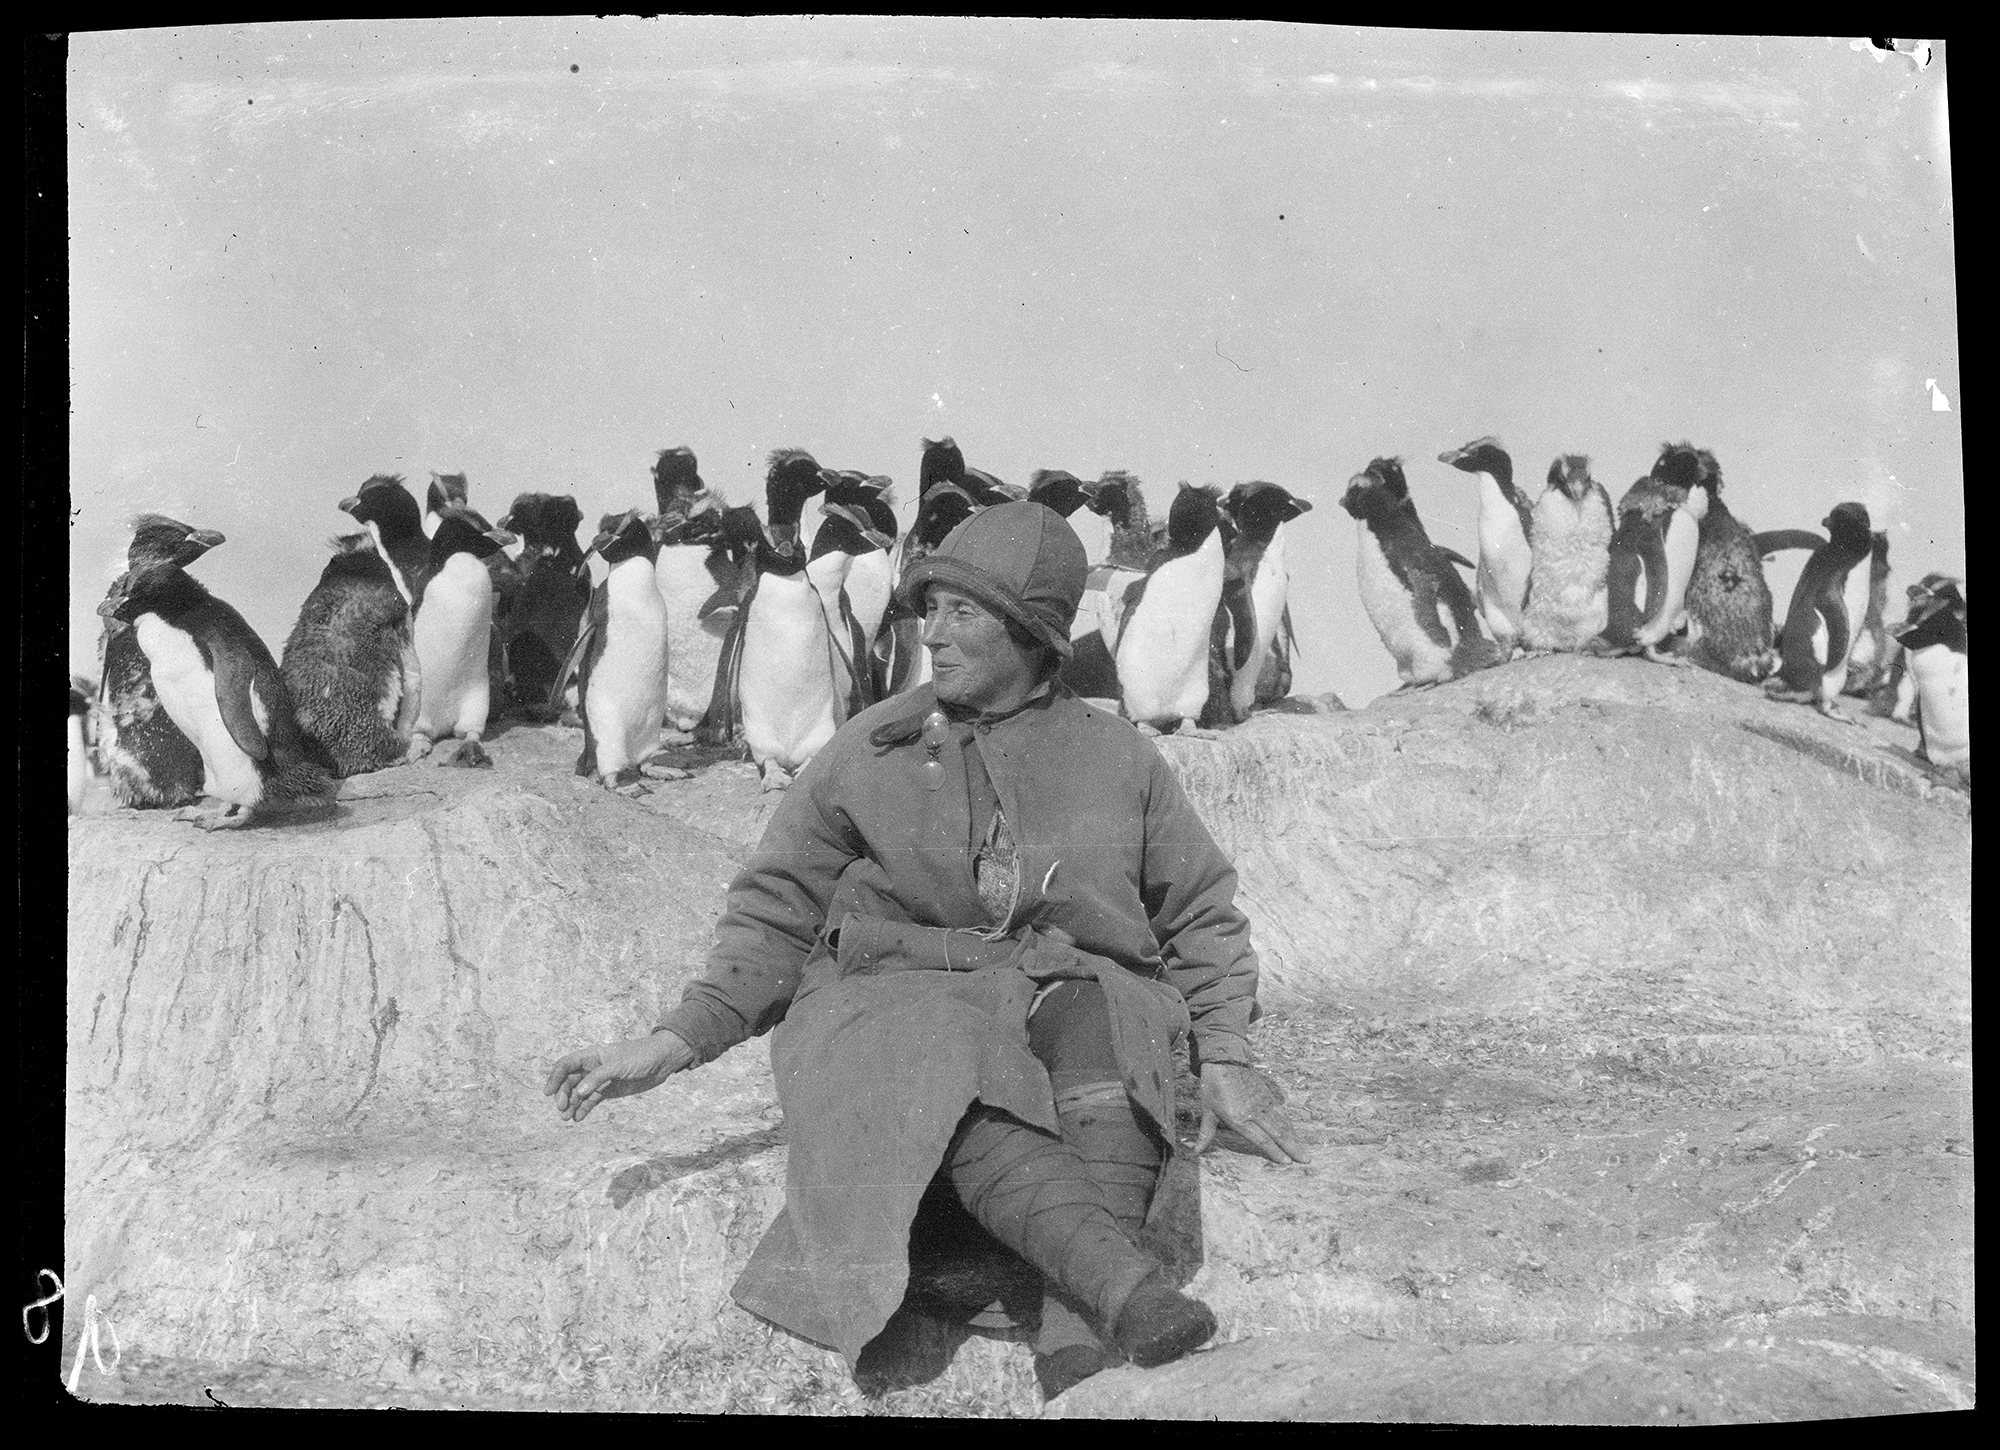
pixel 1021 559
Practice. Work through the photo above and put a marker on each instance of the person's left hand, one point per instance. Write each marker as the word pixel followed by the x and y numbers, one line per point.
pixel 1240 1100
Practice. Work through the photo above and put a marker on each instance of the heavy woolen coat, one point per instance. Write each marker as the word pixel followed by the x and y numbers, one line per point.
pixel 876 1067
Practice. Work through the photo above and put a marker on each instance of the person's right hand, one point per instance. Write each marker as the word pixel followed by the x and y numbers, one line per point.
pixel 584 1079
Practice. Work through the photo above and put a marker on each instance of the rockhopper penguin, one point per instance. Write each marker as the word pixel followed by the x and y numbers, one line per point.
pixel 149 760
pixel 1568 604
pixel 1409 586
pixel 453 626
pixel 1818 633
pixel 1169 617
pixel 351 664
pixel 621 657
pixel 1505 517
pixel 223 689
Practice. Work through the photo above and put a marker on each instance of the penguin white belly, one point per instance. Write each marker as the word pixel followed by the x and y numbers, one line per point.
pixel 1833 673
pixel 1682 540
pixel 627 696
pixel 785 681
pixel 1504 562
pixel 452 630
pixel 1094 532
pixel 829 574
pixel 1268 591
pixel 1392 609
pixel 868 589
pixel 1862 647
pixel 684 585
pixel 186 688
pixel 1163 649
pixel 1944 690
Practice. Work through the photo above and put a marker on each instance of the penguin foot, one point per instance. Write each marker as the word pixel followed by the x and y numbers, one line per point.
pixel 1834 712
pixel 776 777
pixel 628 784
pixel 420 746
pixel 665 772
pixel 1144 729
pixel 1197 732
pixel 228 817
pixel 1776 689
pixel 467 754
pixel 673 739
pixel 1660 657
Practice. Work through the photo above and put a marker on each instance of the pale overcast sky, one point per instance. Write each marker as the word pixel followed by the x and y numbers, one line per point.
pixel 539 250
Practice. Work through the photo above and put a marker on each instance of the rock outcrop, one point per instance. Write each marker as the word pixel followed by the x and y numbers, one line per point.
pixel 1627 1014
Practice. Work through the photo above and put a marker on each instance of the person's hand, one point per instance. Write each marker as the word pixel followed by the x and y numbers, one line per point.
pixel 584 1079
pixel 1242 1103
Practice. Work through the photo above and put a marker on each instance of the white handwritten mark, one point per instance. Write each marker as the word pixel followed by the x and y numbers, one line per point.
pixel 1939 402
pixel 88 1340
pixel 27 1314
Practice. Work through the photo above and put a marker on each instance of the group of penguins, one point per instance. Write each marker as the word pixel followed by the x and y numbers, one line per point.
pixel 709 626
pixel 1669 573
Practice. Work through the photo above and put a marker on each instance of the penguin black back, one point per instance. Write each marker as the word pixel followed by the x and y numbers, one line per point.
pixel 1818 633
pixel 554 592
pixel 1058 489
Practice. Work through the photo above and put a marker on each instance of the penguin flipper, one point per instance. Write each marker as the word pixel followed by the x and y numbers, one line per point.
pixel 236 678
pixel 1456 557
pixel 579 651
pixel 1780 539
pixel 720 722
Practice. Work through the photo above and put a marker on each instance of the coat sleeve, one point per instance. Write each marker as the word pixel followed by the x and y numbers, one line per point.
pixel 776 907
pixel 1189 889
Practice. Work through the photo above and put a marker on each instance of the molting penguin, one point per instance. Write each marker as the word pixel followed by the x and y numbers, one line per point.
pixel 620 657
pixel 1818 634
pixel 221 686
pixel 1255 595
pixel 389 512
pixel 1938 661
pixel 1568 603
pixel 779 660
pixel 1163 649
pixel 1118 498
pixel 148 758
pixel 1409 586
pixel 1505 517
pixel 350 663
pixel 554 593
pixel 1728 602
pixel 453 625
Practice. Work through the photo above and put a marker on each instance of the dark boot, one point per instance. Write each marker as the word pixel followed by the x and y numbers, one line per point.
pixel 1035 1194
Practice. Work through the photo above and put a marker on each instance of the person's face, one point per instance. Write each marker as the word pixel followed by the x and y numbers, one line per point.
pixel 975 663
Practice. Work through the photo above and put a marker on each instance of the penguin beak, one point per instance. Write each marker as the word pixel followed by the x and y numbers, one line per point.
pixel 349 505
pixel 109 607
pixel 207 538
pixel 501 537
pixel 1299 506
